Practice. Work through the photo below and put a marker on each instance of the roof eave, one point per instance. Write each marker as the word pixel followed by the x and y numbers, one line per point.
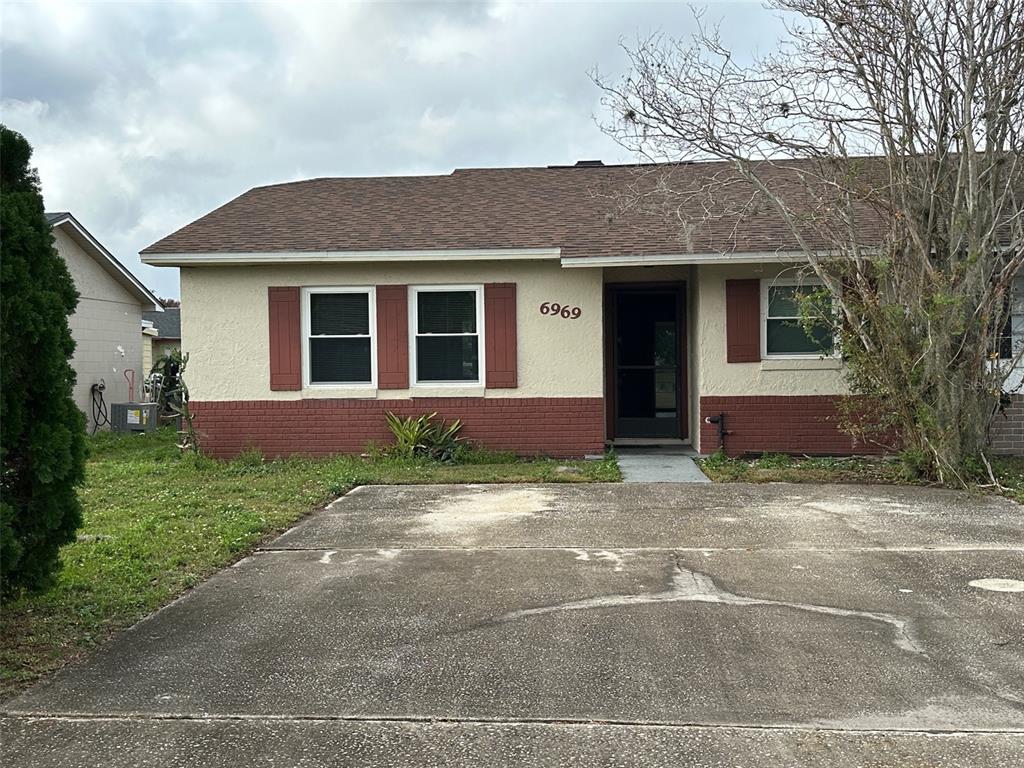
pixel 188 259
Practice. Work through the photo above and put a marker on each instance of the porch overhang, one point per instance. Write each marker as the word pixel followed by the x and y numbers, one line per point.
pixel 736 257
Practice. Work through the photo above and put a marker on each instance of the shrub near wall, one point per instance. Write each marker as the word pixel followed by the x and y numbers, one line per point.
pixel 42 441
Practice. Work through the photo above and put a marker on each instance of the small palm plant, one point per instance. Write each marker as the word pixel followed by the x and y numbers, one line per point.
pixel 422 436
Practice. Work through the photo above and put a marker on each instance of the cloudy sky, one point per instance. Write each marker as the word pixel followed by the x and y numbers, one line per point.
pixel 144 116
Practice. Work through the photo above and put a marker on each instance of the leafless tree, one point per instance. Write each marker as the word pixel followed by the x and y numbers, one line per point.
pixel 887 135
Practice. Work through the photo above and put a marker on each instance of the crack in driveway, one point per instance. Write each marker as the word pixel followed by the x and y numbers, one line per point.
pixel 694 587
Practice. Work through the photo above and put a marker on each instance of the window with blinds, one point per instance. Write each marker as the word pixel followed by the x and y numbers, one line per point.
pixel 785 333
pixel 340 326
pixel 446 338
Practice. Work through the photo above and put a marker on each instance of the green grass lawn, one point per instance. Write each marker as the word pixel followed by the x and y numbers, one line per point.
pixel 780 468
pixel 157 523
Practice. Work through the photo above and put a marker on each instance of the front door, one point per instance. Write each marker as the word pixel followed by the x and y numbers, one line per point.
pixel 648 362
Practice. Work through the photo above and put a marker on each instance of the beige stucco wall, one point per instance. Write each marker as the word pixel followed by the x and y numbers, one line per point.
pixel 163 347
pixel 147 353
pixel 106 327
pixel 226 327
pixel 154 348
pixel 716 377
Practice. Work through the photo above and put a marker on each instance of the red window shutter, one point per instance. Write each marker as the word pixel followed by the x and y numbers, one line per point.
pixel 285 338
pixel 392 336
pixel 500 332
pixel 743 321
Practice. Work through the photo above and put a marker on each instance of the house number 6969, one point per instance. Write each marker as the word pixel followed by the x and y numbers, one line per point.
pixel 560 310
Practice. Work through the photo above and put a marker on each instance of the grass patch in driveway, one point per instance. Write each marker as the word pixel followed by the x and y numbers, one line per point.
pixel 157 523
pixel 782 468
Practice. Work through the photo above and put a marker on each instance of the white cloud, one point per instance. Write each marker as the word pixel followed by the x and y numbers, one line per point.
pixel 146 116
pixel 446 43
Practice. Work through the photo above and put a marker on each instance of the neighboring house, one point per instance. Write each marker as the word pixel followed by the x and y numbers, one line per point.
pixel 106 323
pixel 165 337
pixel 148 335
pixel 522 301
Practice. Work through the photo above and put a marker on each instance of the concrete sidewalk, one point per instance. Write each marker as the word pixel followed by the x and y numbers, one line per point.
pixel 659 466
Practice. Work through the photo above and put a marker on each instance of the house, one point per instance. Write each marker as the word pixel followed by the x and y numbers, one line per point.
pixel 523 301
pixel 107 321
pixel 165 337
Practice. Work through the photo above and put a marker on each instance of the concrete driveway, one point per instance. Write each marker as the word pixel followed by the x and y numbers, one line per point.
pixel 669 625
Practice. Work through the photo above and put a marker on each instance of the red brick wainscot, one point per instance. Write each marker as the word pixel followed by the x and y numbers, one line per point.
pixel 778 424
pixel 558 427
pixel 1007 435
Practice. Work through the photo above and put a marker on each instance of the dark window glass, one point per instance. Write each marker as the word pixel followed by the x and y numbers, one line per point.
pixel 339 361
pixel 637 393
pixel 1006 339
pixel 339 314
pixel 782 301
pixel 447 358
pixel 446 311
pixel 785 333
pixel 1006 347
pixel 665 345
pixel 646 325
pixel 788 337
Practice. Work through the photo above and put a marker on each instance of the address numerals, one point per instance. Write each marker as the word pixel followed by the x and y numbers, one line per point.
pixel 554 309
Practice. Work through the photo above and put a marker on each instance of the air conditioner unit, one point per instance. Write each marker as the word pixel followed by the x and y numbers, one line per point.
pixel 133 417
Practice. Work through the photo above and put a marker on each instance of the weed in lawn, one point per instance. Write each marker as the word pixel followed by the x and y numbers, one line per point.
pixel 723 469
pixel 773 461
pixel 781 468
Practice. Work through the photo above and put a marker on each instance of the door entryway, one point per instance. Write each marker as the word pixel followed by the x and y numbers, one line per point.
pixel 648 362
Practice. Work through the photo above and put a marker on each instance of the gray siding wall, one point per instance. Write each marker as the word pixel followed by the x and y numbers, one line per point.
pixel 106 326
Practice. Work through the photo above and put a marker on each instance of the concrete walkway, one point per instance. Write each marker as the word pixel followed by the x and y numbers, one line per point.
pixel 640 466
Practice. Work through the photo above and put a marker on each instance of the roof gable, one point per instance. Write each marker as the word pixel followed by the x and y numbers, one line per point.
pixel 91 246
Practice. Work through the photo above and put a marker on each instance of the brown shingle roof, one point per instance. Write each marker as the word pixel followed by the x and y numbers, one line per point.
pixel 572 208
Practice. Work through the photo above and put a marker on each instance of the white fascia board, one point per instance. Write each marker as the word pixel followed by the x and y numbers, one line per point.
pixel 311 257
pixel 735 257
pixel 127 277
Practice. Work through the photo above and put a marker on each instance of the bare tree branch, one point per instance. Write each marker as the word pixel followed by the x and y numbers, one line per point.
pixel 891 131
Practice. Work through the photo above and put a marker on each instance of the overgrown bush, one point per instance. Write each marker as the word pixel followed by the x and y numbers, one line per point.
pixel 425 436
pixel 175 397
pixel 42 447
pixel 164 377
pixel 884 138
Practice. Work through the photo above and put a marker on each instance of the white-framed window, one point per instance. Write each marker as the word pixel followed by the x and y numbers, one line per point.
pixel 1011 338
pixel 446 334
pixel 339 330
pixel 783 332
